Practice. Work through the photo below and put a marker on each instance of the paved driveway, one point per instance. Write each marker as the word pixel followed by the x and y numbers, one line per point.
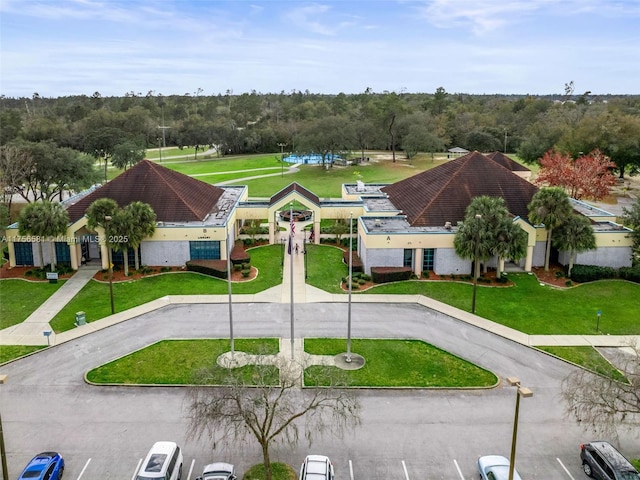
pixel 405 434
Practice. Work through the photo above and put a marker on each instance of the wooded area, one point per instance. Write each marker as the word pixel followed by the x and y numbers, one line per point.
pixel 62 138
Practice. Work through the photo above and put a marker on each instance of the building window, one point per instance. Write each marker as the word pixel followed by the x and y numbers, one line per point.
pixel 408 257
pixel 63 255
pixel 24 253
pixel 118 257
pixel 427 259
pixel 204 250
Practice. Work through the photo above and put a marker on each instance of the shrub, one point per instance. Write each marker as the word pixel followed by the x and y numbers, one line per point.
pixel 354 286
pixel 165 269
pixel 246 273
pixel 213 268
pixel 390 274
pixel 589 273
pixel 559 274
pixel 237 267
pixel 356 263
pixel 239 255
pixel 630 273
pixel 502 279
pixel 568 283
pixel 361 281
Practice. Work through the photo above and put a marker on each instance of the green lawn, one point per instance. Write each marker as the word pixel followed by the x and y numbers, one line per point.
pixel 325 267
pixel 10 352
pixel 587 357
pixel 150 365
pixel 540 310
pixel 93 299
pixel 19 299
pixel 401 363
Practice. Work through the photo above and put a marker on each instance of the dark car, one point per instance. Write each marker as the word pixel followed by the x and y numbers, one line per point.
pixel 45 466
pixel 602 461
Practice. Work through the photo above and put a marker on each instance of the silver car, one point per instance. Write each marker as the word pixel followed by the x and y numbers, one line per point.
pixel 218 471
pixel 495 467
pixel 316 467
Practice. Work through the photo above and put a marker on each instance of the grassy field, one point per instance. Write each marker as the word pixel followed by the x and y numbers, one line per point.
pixel 94 300
pixel 540 310
pixel 149 365
pixel 401 363
pixel 19 298
pixel 587 357
pixel 325 267
pixel 10 352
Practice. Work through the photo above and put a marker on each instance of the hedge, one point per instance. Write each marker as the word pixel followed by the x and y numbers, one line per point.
pixel 239 255
pixel 590 273
pixel 390 274
pixel 356 262
pixel 213 268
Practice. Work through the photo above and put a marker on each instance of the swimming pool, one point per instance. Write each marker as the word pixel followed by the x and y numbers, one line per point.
pixel 311 158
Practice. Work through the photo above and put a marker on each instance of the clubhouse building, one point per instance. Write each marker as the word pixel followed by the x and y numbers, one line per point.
pixel 410 223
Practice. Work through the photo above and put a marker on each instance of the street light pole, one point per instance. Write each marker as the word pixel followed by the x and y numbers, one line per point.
pixel 475 264
pixel 107 221
pixel 3 451
pixel 521 392
pixel 348 358
pixel 230 301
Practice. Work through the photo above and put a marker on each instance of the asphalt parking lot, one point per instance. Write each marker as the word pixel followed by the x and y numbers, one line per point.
pixel 104 432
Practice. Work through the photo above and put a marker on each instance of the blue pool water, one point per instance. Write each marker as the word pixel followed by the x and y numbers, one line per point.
pixel 312 158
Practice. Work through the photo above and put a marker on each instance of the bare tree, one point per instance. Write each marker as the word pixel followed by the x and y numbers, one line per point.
pixel 271 412
pixel 604 404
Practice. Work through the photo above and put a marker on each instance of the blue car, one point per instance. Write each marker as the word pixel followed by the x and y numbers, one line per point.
pixel 45 466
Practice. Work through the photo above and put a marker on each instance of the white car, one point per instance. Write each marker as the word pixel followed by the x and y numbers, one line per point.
pixel 317 467
pixel 495 467
pixel 218 471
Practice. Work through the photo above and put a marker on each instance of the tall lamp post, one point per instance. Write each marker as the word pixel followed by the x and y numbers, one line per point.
pixel 107 221
pixel 348 358
pixel 230 300
pixel 521 392
pixel 475 263
pixel 3 451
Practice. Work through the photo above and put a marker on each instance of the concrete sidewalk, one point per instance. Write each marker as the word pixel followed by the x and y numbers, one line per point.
pixel 30 332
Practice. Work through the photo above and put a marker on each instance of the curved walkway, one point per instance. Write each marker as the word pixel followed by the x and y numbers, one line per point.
pixel 30 332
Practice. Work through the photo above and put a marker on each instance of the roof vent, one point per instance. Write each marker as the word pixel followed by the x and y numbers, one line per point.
pixel 377 222
pixel 447 225
pixel 359 186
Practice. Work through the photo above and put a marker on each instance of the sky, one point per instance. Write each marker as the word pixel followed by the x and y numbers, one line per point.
pixel 204 47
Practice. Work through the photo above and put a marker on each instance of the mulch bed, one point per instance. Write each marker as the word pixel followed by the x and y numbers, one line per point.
pixel 118 275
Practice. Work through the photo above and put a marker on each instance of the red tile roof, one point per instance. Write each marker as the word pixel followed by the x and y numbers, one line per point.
pixel 174 197
pixel 442 194
pixel 507 162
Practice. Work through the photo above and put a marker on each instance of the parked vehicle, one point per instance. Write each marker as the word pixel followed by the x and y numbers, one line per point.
pixel 317 467
pixel 495 467
pixel 601 460
pixel 44 466
pixel 164 460
pixel 218 471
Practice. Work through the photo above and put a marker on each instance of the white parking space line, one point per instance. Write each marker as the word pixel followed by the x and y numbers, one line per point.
pixel 193 462
pixel 404 467
pixel 84 468
pixel 565 469
pixel 135 472
pixel 458 469
pixel 350 470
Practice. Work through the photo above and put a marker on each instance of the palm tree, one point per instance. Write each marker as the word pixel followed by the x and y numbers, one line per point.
pixel 511 242
pixel 99 210
pixel 494 213
pixel 120 238
pixel 575 235
pixel 144 225
pixel 472 241
pixel 551 207
pixel 45 220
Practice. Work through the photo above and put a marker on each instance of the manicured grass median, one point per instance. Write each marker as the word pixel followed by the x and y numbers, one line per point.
pixel 175 362
pixel 587 357
pixel 20 298
pixel 401 363
pixel 93 299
